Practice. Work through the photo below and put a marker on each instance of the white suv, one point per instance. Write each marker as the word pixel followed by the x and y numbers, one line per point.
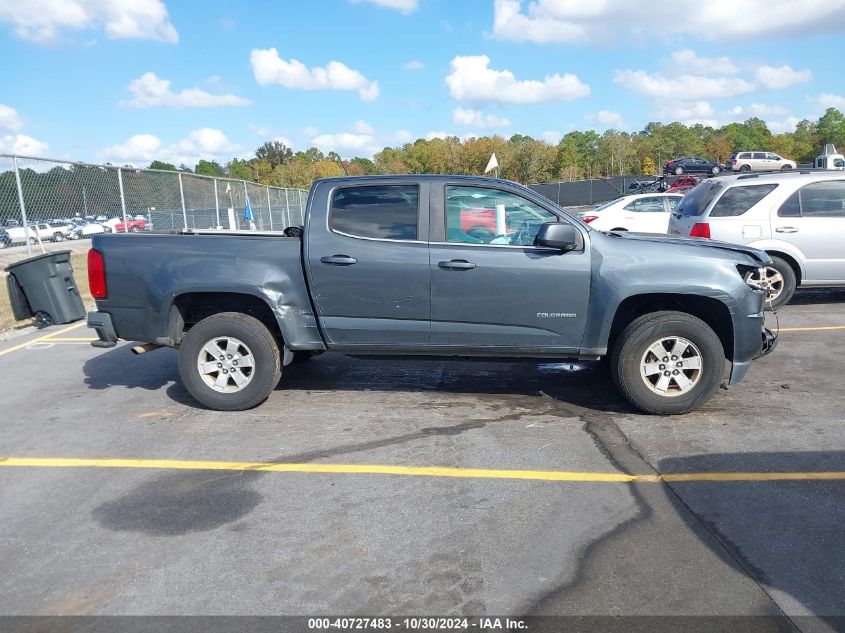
pixel 759 161
pixel 798 218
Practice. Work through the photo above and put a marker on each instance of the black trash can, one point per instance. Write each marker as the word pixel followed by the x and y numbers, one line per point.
pixel 44 287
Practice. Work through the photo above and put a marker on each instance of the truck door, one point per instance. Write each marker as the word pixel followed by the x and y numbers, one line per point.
pixel 496 291
pixel 366 251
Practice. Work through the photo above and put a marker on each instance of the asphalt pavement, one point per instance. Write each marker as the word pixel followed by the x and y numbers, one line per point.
pixel 423 487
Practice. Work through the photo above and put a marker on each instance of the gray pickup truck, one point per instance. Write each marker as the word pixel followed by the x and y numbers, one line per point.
pixel 435 266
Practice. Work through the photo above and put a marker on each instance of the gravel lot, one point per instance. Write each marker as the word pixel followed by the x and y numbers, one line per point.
pixel 344 538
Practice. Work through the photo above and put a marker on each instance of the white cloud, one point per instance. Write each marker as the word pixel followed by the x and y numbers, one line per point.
pixel 269 68
pixel 259 130
pixel 150 91
pixel 545 21
pixel 608 119
pixel 405 6
pixel 782 77
pixel 687 87
pixel 42 21
pixel 698 112
pixel 207 143
pixel 403 136
pixel 551 137
pixel 475 118
pixel 9 119
pixel 764 111
pixel 687 61
pixel 413 64
pixel 472 79
pixel 362 127
pixel 23 145
pixel 827 100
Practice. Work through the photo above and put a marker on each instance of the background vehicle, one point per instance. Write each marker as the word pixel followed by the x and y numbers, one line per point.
pixel 134 225
pixel 759 161
pixel 831 159
pixel 798 218
pixel 89 229
pixel 692 165
pixel 641 213
pixel 15 235
pixel 683 184
pixel 390 271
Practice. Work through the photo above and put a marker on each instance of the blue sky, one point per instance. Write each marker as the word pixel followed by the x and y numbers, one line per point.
pixel 88 79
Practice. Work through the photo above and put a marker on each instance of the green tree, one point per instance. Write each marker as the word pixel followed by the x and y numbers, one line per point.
pixel 159 164
pixel 831 128
pixel 274 152
pixel 208 168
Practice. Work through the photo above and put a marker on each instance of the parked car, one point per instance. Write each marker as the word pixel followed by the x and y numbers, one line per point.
pixel 641 213
pixel 692 165
pixel 10 222
pixel 15 235
pixel 798 218
pixel 381 266
pixel 759 161
pixel 683 184
pixel 133 226
pixel 49 232
pixel 89 229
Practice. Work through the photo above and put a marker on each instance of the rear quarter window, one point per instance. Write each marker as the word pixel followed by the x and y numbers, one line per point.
pixel 737 200
pixel 387 212
pixel 698 199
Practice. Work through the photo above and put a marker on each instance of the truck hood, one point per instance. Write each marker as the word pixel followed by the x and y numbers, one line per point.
pixel 760 258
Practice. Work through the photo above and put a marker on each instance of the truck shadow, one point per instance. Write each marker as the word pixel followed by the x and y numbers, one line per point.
pixel 586 385
pixel 787 535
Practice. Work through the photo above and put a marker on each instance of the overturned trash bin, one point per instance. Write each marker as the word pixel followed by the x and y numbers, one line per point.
pixel 44 287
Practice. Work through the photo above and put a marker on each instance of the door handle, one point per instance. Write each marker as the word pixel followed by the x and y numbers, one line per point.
pixel 338 260
pixel 456 264
pixel 786 229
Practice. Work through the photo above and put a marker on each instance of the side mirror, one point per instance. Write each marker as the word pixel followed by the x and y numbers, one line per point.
pixel 561 236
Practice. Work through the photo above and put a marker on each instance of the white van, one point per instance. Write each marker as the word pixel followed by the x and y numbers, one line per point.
pixel 759 161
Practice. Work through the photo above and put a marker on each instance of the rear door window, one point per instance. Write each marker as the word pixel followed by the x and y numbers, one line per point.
pixel 697 200
pixel 823 199
pixel 387 212
pixel 737 200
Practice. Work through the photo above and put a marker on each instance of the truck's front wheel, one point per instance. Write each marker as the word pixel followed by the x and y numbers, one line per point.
pixel 229 361
pixel 667 362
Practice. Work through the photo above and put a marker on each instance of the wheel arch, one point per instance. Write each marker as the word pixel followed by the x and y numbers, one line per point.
pixel 189 308
pixel 712 311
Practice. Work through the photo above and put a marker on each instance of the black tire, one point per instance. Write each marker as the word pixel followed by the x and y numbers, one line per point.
pixel 32 241
pixel 790 282
pixel 716 169
pixel 745 168
pixel 134 229
pixel 786 168
pixel 58 237
pixel 679 171
pixel 267 368
pixel 632 345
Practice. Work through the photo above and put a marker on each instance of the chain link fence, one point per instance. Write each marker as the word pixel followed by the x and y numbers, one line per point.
pixel 45 200
pixel 593 191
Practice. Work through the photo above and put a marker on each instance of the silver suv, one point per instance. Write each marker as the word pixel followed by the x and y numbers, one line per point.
pixel 798 218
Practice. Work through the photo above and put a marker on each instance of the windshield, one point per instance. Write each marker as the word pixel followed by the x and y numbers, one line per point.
pixel 698 199
pixel 605 205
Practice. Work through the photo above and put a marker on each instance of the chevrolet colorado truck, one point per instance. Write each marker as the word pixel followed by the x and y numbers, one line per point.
pixel 382 266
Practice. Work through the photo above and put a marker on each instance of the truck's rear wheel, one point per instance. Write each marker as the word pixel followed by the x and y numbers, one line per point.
pixel 229 361
pixel 667 362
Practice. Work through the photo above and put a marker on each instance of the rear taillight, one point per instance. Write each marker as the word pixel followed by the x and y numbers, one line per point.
pixel 97 274
pixel 589 218
pixel 700 229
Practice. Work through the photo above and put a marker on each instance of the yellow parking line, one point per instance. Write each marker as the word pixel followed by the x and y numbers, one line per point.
pixel 812 329
pixel 46 337
pixel 418 471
